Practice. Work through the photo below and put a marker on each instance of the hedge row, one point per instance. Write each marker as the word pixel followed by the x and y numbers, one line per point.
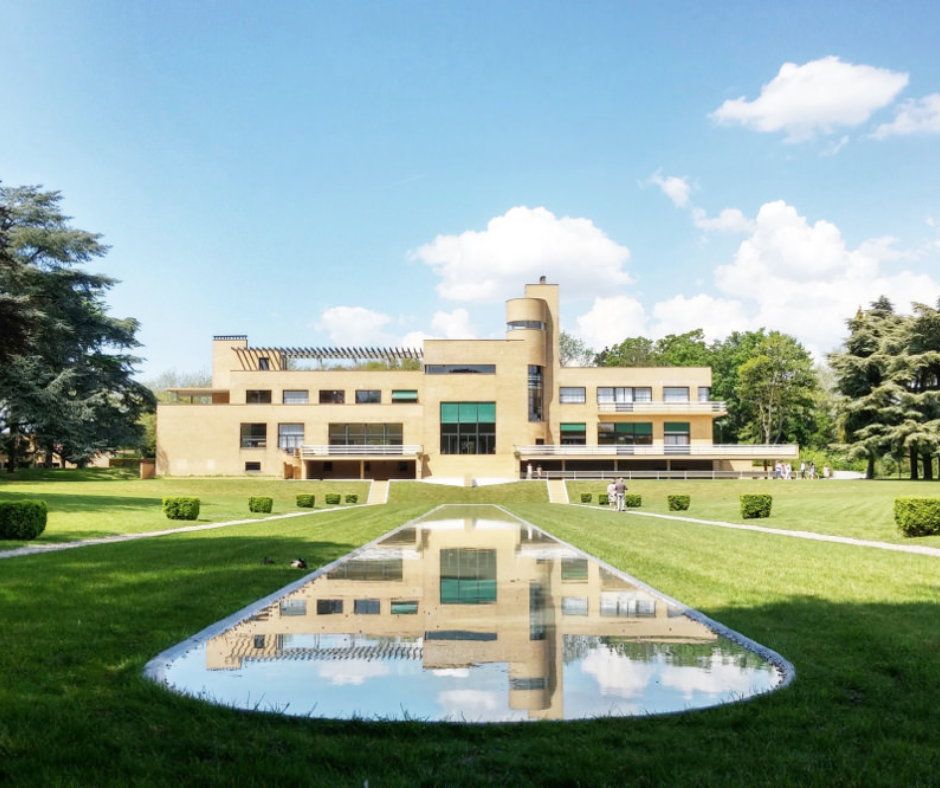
pixel 22 519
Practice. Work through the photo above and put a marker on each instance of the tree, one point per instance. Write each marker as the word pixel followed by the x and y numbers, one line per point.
pixel 727 357
pixel 779 382
pixel 632 352
pixel 67 386
pixel 682 350
pixel 573 351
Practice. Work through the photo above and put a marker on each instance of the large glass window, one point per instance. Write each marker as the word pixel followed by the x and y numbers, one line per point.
pixel 360 434
pixel 460 369
pixel 253 397
pixel 675 393
pixel 623 396
pixel 625 433
pixel 573 434
pixel 536 392
pixel 296 397
pixel 704 393
pixel 468 428
pixel 514 325
pixel 368 396
pixel 290 436
pixel 254 436
pixel 404 395
pixel 570 395
pixel 676 436
pixel 468 576
pixel 330 397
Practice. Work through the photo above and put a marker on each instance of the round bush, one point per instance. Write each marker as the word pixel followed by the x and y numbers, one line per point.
pixel 332 499
pixel 22 519
pixel 917 516
pixel 306 501
pixel 260 504
pixel 633 501
pixel 181 508
pixel 678 503
pixel 753 506
pixel 586 497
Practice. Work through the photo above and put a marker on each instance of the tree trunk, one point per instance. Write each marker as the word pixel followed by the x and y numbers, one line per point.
pixel 928 467
pixel 912 456
pixel 870 471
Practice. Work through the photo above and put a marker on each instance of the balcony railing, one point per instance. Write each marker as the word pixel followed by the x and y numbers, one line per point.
pixel 724 451
pixel 662 407
pixel 362 450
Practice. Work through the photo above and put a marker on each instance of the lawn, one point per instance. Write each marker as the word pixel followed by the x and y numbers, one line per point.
pixel 859 624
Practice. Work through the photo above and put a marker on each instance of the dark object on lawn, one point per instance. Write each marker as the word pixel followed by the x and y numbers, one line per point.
pixel 298 563
pixel 267 560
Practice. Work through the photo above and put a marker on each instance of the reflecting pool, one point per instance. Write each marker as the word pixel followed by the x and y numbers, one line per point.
pixel 469 614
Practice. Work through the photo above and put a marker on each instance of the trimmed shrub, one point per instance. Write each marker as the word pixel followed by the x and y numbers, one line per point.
pixel 260 504
pixel 181 508
pixel 603 499
pixel 22 519
pixel 352 498
pixel 586 497
pixel 332 499
pixel 306 501
pixel 678 503
pixel 917 516
pixel 633 501
pixel 753 506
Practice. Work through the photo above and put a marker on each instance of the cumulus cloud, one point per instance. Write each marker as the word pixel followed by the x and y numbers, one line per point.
pixel 521 246
pixel 453 325
pixel 354 325
pixel 730 220
pixel 675 188
pixel 915 116
pixel 611 320
pixel 717 317
pixel 815 98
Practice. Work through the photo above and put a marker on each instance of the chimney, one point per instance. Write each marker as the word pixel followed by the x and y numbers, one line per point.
pixel 541 280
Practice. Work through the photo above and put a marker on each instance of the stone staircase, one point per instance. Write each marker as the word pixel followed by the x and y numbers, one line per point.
pixel 379 491
pixel 557 491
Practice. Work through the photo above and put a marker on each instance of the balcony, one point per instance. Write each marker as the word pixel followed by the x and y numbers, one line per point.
pixel 361 450
pixel 735 451
pixel 683 408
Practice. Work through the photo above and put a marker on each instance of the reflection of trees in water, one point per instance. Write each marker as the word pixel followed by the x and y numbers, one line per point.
pixel 699 655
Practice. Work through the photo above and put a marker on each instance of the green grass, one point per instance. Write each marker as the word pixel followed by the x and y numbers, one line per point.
pixel 433 494
pixel 860 625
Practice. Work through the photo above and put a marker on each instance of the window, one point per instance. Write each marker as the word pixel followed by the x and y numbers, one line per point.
pixel 290 436
pixel 460 369
pixel 625 434
pixel 366 607
pixel 332 397
pixel 573 434
pixel 626 605
pixel 388 569
pixel 252 467
pixel 404 395
pixel 254 397
pixel 359 434
pixel 264 363
pixel 574 570
pixel 570 395
pixel 468 428
pixel 259 641
pixel 404 607
pixel 623 397
pixel 329 607
pixel 293 607
pixel 574 605
pixel 296 397
pixel 676 437
pixel 536 392
pixel 514 325
pixel 675 393
pixel 704 393
pixel 364 396
pixel 254 436
pixel 468 576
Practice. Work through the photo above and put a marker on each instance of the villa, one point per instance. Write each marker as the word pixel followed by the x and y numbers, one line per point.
pixel 469 409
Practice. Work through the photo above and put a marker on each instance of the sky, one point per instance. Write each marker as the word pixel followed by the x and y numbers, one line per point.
pixel 373 173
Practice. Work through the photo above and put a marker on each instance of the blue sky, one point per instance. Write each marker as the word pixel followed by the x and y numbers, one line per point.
pixel 314 173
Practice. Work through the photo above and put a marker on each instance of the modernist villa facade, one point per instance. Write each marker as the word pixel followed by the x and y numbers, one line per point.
pixel 455 409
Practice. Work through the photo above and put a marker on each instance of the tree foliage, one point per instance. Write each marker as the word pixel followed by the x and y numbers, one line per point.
pixel 66 384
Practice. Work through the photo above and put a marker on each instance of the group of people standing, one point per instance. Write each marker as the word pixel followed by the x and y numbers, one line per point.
pixel 783 470
pixel 617 495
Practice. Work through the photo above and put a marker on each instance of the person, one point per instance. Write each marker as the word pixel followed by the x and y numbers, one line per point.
pixel 825 471
pixel 812 469
pixel 528 471
pixel 620 490
pixel 538 471
pixel 802 469
pixel 611 494
pixel 778 469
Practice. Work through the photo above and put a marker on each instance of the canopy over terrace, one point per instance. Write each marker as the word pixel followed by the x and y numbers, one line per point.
pixel 389 356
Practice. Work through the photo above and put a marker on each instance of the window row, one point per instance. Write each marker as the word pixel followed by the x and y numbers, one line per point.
pixel 328 396
pixel 621 395
pixel 291 436
pixel 332 607
pixel 675 433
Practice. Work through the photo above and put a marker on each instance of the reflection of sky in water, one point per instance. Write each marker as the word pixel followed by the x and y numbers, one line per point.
pixel 526 629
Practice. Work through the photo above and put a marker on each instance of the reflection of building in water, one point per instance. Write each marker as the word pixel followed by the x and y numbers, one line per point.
pixel 456 593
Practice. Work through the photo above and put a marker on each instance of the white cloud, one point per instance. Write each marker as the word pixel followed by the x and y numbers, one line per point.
pixel 453 325
pixel 521 246
pixel 730 220
pixel 915 116
pixel 717 317
pixel 675 188
pixel 817 97
pixel 611 320
pixel 355 325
